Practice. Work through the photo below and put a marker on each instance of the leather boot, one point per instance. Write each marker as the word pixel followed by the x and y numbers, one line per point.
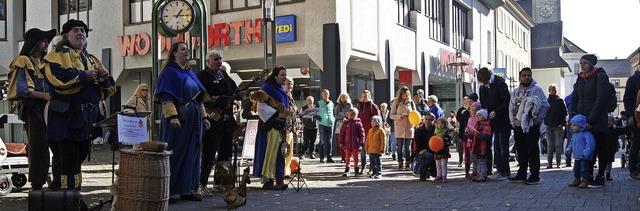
pixel 280 184
pixel 269 185
pixel 400 166
pixel 357 172
pixel 407 166
pixel 346 172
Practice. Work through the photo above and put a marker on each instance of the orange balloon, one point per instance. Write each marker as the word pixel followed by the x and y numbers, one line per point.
pixel 436 143
pixel 295 165
pixel 414 117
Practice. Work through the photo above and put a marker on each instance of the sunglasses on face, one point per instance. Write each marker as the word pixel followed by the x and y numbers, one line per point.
pixel 145 90
pixel 217 59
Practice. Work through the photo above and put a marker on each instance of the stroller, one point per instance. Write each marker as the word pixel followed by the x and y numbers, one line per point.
pixel 14 161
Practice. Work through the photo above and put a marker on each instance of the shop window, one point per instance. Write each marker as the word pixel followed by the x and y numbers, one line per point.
pixel 218 6
pixel 3 20
pixel 403 12
pixel 460 27
pixel 435 12
pixel 74 9
pixel 140 11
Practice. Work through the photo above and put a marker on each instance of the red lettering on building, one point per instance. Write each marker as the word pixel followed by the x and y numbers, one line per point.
pixel 220 32
pixel 218 35
pixel 448 57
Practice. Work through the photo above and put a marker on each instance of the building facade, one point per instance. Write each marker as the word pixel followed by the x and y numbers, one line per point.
pixel 342 46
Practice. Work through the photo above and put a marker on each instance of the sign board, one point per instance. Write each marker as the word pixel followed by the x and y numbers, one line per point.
pixel 286 28
pixel 502 72
pixel 250 135
pixel 132 130
pixel 405 77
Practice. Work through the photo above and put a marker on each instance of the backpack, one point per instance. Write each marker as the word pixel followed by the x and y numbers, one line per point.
pixel 612 100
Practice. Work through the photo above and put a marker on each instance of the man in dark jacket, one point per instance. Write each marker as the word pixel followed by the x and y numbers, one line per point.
pixel 555 120
pixel 494 96
pixel 589 98
pixel 630 93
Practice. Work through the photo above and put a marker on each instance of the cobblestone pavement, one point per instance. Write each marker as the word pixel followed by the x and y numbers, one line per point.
pixel 397 190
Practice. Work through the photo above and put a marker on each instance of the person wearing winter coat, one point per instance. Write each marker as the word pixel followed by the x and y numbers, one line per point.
pixel 494 96
pixel 555 121
pixel 443 130
pixel 400 109
pixel 366 109
pixel 527 141
pixel 590 95
pixel 374 144
pixel 582 147
pixel 351 139
pixel 630 95
pixel 343 104
pixel 480 134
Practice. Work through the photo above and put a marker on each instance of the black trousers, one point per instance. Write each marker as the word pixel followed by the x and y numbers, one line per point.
pixel 309 138
pixel 528 151
pixel 38 147
pixel 633 151
pixel 214 142
pixel 72 154
pixel 600 153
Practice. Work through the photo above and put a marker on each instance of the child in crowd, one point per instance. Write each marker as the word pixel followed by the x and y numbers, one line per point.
pixel 612 143
pixel 443 130
pixel 481 136
pixel 425 165
pixel 374 144
pixel 583 146
pixel 351 138
pixel 471 124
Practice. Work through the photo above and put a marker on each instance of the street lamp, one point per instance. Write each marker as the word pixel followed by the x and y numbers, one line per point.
pixel 269 16
pixel 459 77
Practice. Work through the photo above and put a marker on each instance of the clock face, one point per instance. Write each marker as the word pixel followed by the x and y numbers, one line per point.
pixel 546 10
pixel 177 16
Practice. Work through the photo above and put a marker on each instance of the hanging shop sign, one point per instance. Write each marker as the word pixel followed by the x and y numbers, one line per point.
pixel 502 72
pixel 286 28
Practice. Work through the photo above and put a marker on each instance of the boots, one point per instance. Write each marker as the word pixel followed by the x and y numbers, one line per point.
pixel 407 166
pixel 357 173
pixel 268 185
pixel 423 176
pixel 280 184
pixel 346 172
pixel 400 166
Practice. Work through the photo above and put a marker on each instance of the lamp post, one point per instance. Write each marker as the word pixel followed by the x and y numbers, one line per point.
pixel 459 77
pixel 269 16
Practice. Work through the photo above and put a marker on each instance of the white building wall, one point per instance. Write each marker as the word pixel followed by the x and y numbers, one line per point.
pixel 513 45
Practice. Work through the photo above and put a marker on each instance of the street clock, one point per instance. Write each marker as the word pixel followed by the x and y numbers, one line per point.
pixel 176 17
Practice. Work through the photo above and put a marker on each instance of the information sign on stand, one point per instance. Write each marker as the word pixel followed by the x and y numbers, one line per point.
pixel 250 135
pixel 132 129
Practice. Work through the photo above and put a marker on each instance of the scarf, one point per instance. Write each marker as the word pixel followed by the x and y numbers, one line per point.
pixel 440 132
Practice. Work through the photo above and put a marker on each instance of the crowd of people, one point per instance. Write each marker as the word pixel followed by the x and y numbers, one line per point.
pixel 60 91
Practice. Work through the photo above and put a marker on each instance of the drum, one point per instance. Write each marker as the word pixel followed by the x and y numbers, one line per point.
pixel 143 180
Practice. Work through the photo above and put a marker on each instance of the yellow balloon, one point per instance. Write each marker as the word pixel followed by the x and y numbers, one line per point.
pixel 414 118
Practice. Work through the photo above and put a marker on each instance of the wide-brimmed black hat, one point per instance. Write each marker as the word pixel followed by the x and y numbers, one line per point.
pixel 32 37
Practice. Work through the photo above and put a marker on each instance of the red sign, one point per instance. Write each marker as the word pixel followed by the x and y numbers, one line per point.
pixel 140 44
pixel 448 57
pixel 405 77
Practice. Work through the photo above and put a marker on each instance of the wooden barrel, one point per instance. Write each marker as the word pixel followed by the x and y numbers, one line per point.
pixel 143 180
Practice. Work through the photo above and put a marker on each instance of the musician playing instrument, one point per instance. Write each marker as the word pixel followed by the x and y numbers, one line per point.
pixel 218 139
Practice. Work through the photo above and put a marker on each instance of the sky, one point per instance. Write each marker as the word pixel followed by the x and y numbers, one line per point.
pixel 608 28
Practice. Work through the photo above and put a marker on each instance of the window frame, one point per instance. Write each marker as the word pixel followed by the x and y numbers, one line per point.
pixel 141 12
pixel 436 14
pixel 616 83
pixel 77 12
pixel 215 6
pixel 460 26
pixel 77 4
pixel 4 18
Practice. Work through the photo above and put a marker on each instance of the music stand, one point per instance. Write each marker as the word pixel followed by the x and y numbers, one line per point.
pixel 298 175
pixel 111 123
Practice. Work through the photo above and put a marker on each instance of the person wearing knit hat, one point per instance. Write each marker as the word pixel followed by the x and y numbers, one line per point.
pixel 27 85
pixel 590 98
pixel 76 88
pixel 473 97
pixel 483 113
pixel 582 147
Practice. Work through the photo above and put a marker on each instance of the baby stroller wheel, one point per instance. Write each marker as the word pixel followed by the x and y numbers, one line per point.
pixel 5 185
pixel 19 180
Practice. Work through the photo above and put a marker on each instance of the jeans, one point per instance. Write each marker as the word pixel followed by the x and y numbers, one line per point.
pixel 633 152
pixel 480 164
pixel 581 169
pixel 501 147
pixel 569 135
pixel 528 151
pixel 392 142
pixel 554 144
pixel 375 163
pixel 404 147
pixel 326 134
pixel 426 163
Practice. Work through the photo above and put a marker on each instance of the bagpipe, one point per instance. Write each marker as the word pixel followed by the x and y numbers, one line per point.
pixel 216 113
